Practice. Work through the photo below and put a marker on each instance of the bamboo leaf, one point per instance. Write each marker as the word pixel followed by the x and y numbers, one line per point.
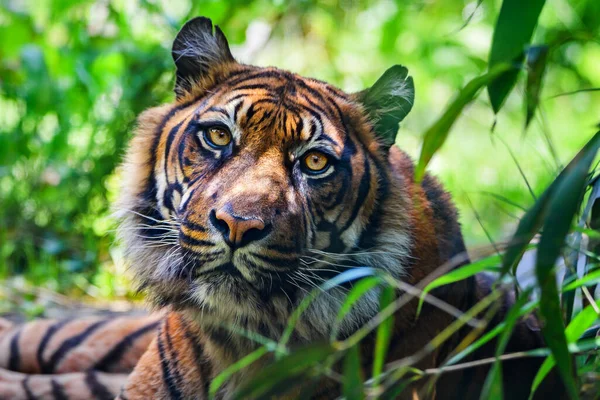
pixel 358 290
pixel 576 328
pixel 533 219
pixel 458 275
pixel 234 368
pixel 436 135
pixel 384 334
pixel 537 56
pixel 513 31
pixel 278 377
pixel 353 376
pixel 562 207
pixel 492 388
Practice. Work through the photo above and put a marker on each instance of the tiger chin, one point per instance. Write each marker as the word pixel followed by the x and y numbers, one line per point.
pixel 252 189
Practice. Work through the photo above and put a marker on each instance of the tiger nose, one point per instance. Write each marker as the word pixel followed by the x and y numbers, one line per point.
pixel 238 231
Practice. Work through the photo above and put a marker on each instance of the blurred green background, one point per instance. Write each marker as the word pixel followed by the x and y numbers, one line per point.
pixel 74 74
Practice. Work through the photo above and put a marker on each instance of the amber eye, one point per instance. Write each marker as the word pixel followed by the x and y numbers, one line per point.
pixel 315 162
pixel 218 137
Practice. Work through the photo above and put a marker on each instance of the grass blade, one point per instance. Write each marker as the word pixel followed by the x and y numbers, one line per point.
pixel 278 377
pixel 436 135
pixel 492 388
pixel 459 274
pixel 384 334
pixel 353 376
pixel 513 31
pixel 534 218
pixel 562 208
pixel 537 56
pixel 576 328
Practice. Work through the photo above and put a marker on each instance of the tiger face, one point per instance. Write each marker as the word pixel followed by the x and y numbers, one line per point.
pixel 254 187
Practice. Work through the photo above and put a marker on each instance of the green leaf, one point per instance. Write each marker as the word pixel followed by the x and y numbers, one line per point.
pixel 537 56
pixel 280 376
pixel 343 277
pixel 234 368
pixel 458 275
pixel 384 334
pixel 570 187
pixel 358 290
pixel 353 376
pixel 513 31
pixel 534 218
pixel 389 101
pixel 436 135
pixel 576 328
pixel 588 280
pixel 491 334
pixel 492 388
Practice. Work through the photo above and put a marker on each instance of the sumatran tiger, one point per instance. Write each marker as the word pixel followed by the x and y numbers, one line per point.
pixel 253 187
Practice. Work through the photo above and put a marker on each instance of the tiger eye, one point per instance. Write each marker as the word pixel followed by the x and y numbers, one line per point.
pixel 316 161
pixel 219 137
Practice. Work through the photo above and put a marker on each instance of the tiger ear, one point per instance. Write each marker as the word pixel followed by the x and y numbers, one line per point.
pixel 388 101
pixel 197 50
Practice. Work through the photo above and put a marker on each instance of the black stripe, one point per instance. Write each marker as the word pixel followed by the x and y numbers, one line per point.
pixel 150 191
pixel 69 345
pixel 253 86
pixel 57 391
pixel 170 138
pixel 276 261
pixel 202 363
pixel 190 241
pixel 174 392
pixel 14 360
pixel 368 235
pixel 97 388
pixel 114 355
pixel 261 74
pixel 363 191
pixel 193 226
pixel 28 393
pixel 173 356
pixel 46 338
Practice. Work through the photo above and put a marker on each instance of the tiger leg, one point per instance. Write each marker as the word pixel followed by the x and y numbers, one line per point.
pixel 174 367
pixel 109 344
pixel 91 385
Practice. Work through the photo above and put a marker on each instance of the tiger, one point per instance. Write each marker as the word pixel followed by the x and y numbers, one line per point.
pixel 239 198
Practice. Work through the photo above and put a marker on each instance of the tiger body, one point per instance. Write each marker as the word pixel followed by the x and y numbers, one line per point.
pixel 255 186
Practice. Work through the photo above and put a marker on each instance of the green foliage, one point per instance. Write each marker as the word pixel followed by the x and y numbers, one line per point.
pixel 513 32
pixel 74 74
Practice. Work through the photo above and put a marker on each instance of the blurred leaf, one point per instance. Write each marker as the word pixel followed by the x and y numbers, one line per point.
pixel 513 31
pixel 490 335
pixel 228 372
pixel 458 275
pixel 570 186
pixel 537 57
pixel 389 101
pixel 353 376
pixel 588 280
pixel 384 334
pixel 436 135
pixel 359 289
pixel 350 275
pixel 282 375
pixel 534 218
pixel 492 388
pixel 574 331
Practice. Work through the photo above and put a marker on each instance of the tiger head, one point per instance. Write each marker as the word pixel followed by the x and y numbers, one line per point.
pixel 256 185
